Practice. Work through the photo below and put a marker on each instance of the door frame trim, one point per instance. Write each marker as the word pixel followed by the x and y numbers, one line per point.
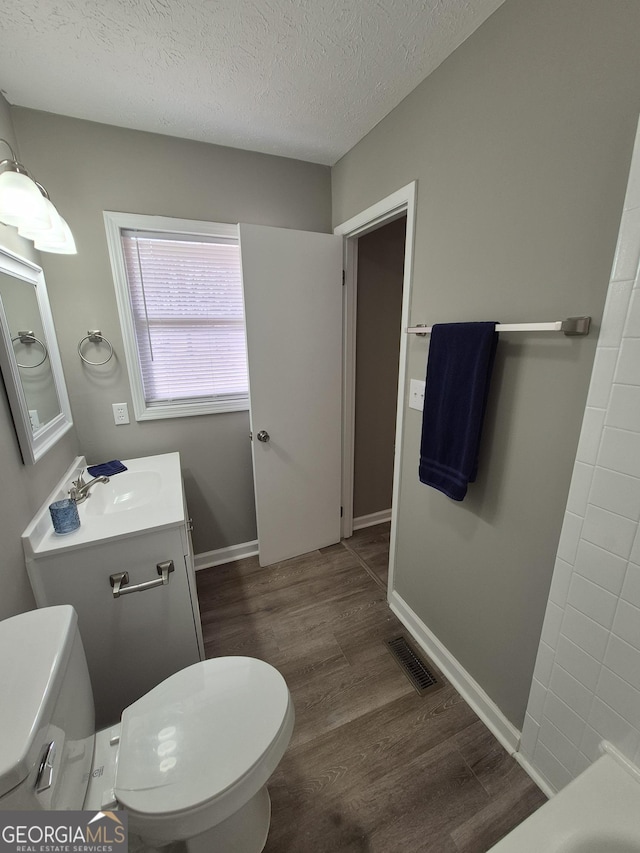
pixel 401 202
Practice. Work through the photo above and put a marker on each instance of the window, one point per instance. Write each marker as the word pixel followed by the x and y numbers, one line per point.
pixel 179 292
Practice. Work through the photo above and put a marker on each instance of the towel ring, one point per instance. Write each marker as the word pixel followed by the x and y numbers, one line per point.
pixel 29 338
pixel 96 337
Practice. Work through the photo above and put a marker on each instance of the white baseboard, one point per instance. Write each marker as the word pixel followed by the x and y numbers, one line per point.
pixel 371 519
pixel 467 687
pixel 225 555
pixel 533 774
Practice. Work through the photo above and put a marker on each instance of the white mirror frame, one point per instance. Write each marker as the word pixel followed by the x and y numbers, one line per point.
pixel 33 445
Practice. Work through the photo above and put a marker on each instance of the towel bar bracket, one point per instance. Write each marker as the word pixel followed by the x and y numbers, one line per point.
pixel 574 326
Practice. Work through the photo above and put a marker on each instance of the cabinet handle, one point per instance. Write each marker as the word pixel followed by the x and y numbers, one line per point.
pixel 119 579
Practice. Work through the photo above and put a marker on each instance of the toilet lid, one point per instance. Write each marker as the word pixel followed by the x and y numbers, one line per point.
pixel 198 733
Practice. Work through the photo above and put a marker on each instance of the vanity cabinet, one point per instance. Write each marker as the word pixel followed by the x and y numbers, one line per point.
pixel 132 639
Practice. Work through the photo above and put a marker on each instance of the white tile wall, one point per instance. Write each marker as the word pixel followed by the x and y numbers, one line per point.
pixel 586 684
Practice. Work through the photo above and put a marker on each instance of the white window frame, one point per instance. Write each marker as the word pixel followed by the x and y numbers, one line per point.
pixel 115 223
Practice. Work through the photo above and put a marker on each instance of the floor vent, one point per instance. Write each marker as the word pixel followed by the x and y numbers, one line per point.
pixel 411 663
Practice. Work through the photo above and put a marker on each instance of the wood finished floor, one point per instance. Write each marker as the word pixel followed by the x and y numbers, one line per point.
pixel 372 767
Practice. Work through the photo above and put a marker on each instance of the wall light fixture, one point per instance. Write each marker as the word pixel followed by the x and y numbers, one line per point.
pixel 25 204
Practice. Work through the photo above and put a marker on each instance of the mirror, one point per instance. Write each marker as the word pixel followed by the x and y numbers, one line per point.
pixel 29 358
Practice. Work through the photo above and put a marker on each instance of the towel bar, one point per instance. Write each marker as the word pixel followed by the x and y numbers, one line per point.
pixel 572 327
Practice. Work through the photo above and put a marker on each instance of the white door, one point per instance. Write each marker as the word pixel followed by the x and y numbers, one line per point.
pixel 293 307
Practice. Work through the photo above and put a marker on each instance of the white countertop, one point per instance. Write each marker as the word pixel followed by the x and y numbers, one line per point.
pixel 158 504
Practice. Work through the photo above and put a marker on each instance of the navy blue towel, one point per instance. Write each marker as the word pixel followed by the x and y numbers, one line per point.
pixel 461 358
pixel 107 469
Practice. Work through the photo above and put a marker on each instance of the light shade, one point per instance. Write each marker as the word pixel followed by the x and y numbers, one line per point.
pixel 59 242
pixel 25 204
pixel 34 229
pixel 21 202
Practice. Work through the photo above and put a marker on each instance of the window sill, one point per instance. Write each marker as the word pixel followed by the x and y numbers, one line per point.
pixel 185 410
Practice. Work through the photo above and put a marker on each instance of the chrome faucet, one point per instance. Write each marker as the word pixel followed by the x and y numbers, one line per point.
pixel 79 490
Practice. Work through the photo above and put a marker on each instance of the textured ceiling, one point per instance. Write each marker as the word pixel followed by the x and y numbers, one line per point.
pixel 299 78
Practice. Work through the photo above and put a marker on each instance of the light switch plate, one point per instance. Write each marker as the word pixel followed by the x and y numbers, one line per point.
pixel 416 394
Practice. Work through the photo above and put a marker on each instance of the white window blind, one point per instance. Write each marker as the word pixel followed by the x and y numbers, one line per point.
pixel 187 310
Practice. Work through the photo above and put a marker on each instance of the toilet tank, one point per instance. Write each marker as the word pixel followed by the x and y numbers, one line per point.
pixel 47 727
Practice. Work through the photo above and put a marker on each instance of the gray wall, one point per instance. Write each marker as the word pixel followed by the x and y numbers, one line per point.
pixel 90 167
pixel 378 315
pixel 24 487
pixel 521 143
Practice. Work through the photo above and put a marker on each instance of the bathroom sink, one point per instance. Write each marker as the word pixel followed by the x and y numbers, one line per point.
pixel 147 496
pixel 124 492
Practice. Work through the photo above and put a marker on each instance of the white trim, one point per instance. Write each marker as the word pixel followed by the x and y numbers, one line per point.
pixel 534 775
pixel 464 683
pixel 411 195
pixel 399 203
pixel 225 555
pixel 349 339
pixel 383 211
pixel 114 223
pixel 371 519
pixel 156 411
pixel 33 444
pixel 169 225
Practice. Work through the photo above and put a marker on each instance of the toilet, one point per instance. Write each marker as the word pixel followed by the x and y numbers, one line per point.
pixel 189 761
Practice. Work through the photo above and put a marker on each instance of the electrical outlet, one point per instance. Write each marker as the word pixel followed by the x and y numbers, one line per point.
pixel 120 413
pixel 416 394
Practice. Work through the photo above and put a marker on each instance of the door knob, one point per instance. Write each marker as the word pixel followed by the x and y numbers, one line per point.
pixel 263 435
